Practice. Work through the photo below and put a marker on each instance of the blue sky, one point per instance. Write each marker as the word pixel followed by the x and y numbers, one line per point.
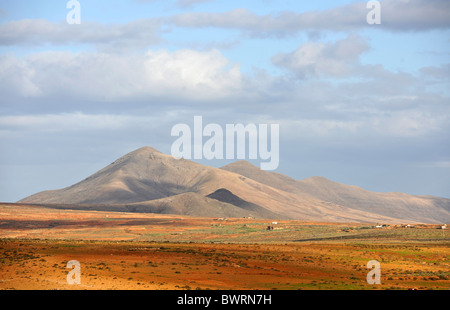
pixel 360 104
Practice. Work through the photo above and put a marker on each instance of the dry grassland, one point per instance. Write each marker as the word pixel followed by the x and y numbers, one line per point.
pixel 127 251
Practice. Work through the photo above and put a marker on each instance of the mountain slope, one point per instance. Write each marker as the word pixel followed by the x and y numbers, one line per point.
pixel 142 175
pixel 197 205
pixel 146 174
pixel 147 180
pixel 224 195
pixel 398 205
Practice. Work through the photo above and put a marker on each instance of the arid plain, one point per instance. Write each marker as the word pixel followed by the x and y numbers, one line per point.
pixel 129 251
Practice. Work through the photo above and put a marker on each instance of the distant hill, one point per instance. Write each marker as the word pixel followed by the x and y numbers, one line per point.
pixel 224 195
pixel 198 205
pixel 147 180
pixel 399 205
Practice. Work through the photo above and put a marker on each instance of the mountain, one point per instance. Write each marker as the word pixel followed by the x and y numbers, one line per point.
pixel 197 205
pixel 399 205
pixel 147 180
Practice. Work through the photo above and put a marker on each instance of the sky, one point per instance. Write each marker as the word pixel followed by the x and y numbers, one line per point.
pixel 358 103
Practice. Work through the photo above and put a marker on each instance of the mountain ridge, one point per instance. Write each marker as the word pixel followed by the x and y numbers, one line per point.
pixel 147 177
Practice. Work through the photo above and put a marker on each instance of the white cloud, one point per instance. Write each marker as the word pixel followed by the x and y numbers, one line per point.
pixel 200 75
pixel 377 126
pixel 413 123
pixel 190 3
pixel 316 59
pixel 305 129
pixel 17 76
pixel 383 103
pixel 115 37
pixel 442 72
pixel 69 122
pixel 100 76
pixel 397 15
pixel 87 125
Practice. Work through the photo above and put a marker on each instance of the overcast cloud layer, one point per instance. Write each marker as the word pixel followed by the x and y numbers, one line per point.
pixel 360 104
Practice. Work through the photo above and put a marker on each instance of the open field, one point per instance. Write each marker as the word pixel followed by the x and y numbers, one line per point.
pixel 41 264
pixel 148 251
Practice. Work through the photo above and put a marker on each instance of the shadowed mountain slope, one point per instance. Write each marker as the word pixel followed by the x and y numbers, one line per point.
pixel 224 195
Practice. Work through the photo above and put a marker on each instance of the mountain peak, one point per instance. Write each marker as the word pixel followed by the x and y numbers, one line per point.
pixel 145 149
pixel 241 164
pixel 317 179
pixel 138 156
